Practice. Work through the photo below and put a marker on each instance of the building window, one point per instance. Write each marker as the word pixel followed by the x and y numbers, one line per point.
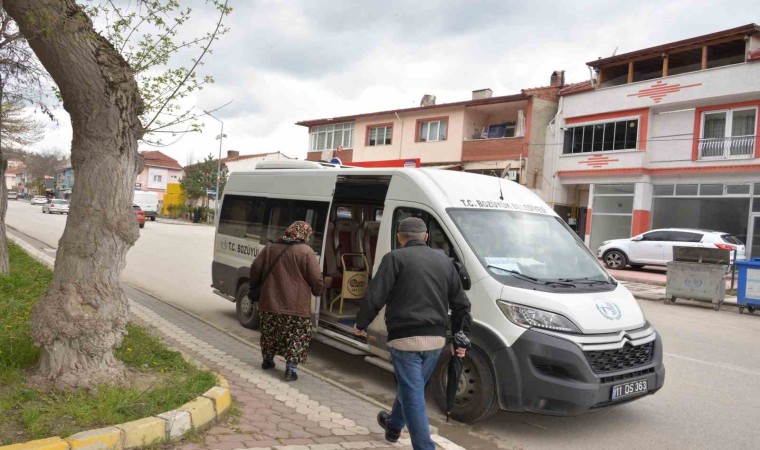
pixel 157 178
pixel 330 137
pixel 432 130
pixel 602 137
pixel 501 130
pixel 728 133
pixel 379 135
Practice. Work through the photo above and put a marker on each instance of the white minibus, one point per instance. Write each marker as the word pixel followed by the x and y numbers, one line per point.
pixel 553 333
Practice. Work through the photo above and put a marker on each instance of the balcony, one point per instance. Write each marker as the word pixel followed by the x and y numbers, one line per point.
pixel 727 147
pixel 493 149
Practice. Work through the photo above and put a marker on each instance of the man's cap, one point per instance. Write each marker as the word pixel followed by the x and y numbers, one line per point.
pixel 412 225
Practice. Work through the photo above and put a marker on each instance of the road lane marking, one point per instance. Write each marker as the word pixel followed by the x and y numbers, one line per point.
pixel 721 366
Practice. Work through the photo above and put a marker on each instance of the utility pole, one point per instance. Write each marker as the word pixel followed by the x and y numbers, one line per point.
pixel 218 164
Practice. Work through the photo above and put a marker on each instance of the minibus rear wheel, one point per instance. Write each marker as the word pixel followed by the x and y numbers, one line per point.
pixel 247 311
pixel 476 398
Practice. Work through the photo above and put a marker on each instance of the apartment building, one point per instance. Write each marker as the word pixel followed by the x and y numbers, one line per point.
pixel 64 180
pixel 662 137
pixel 159 170
pixel 501 135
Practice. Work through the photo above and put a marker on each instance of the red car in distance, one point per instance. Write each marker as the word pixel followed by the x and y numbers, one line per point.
pixel 140 216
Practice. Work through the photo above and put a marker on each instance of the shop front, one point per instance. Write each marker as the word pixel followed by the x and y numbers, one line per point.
pixel 628 209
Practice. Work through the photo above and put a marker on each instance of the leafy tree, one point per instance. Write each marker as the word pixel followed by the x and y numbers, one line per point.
pixel 201 177
pixel 147 33
pixel 43 164
pixel 19 75
pixel 82 317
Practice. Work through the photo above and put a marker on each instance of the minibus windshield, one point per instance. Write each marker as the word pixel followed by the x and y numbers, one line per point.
pixel 521 248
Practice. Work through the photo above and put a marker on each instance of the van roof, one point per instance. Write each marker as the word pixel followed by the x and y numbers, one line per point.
pixel 458 189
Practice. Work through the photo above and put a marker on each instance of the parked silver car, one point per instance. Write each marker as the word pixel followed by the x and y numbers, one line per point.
pixel 56 206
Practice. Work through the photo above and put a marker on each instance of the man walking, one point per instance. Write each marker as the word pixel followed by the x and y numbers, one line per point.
pixel 418 286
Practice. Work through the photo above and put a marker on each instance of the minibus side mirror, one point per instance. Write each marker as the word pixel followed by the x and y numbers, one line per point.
pixel 464 276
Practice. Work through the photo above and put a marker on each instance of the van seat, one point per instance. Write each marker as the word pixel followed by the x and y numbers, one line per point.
pixel 344 238
pixel 367 240
pixel 331 265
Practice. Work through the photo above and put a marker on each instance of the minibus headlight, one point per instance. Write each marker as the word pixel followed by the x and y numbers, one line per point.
pixel 530 317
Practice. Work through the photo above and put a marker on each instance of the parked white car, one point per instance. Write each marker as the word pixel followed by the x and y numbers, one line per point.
pixel 38 200
pixel 56 206
pixel 655 247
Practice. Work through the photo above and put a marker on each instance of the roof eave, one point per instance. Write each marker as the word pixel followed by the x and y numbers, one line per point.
pixel 466 103
pixel 749 29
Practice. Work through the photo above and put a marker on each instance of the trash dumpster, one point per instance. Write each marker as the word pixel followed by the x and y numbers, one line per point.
pixel 748 294
pixel 698 274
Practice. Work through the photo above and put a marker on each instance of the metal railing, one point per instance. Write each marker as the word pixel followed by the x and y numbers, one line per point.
pixel 728 147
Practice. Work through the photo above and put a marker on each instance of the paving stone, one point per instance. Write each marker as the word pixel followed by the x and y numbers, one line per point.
pixel 274 414
pixel 229 445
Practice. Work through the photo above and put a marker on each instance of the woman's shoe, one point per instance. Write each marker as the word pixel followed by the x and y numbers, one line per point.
pixel 290 375
pixel 267 364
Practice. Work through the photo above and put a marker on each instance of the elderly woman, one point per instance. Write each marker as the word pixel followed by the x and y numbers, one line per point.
pixel 291 276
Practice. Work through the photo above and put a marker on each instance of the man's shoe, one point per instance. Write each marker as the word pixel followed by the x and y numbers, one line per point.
pixel 267 364
pixel 391 435
pixel 290 375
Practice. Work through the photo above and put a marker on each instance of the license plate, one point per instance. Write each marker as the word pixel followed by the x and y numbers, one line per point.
pixel 629 389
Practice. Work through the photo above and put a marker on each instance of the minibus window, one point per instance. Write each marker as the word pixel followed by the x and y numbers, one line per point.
pixel 520 248
pixel 283 212
pixel 437 239
pixel 241 216
pixel 344 212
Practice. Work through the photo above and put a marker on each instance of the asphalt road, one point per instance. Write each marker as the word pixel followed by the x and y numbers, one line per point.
pixel 711 397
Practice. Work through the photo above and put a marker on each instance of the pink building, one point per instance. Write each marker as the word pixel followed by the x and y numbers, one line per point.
pixel 159 170
pixel 501 135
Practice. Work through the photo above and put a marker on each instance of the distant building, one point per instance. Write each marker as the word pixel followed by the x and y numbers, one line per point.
pixel 64 180
pixel 236 162
pixel 11 173
pixel 159 170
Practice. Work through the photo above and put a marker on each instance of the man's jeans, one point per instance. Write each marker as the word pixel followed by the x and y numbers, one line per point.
pixel 413 370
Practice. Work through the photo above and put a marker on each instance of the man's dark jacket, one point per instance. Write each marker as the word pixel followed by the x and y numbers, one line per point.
pixel 418 285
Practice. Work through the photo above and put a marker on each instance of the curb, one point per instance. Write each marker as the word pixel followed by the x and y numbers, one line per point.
pixel 164 427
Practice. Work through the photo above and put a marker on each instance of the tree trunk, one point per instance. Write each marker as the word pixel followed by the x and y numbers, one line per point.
pixel 82 317
pixel 4 263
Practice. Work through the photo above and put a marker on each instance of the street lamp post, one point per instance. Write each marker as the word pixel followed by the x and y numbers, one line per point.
pixel 218 164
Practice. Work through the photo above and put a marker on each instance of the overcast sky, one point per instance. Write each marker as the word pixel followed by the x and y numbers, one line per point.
pixel 285 61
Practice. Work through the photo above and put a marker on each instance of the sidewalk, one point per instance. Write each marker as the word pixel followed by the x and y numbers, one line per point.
pixel 182 222
pixel 654 292
pixel 312 413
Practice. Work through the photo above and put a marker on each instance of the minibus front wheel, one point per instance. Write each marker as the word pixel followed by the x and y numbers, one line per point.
pixel 247 311
pixel 476 397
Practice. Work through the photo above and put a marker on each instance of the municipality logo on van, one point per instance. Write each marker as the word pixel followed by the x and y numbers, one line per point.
pixel 609 310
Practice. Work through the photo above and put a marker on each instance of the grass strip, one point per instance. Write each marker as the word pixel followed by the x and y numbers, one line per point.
pixel 160 378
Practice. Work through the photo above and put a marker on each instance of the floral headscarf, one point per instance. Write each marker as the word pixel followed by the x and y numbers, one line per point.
pixel 297 231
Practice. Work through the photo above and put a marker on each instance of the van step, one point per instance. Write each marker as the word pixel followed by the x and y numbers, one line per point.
pixel 338 345
pixel 379 362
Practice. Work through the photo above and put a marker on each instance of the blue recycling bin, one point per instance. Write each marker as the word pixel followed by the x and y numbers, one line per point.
pixel 748 294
